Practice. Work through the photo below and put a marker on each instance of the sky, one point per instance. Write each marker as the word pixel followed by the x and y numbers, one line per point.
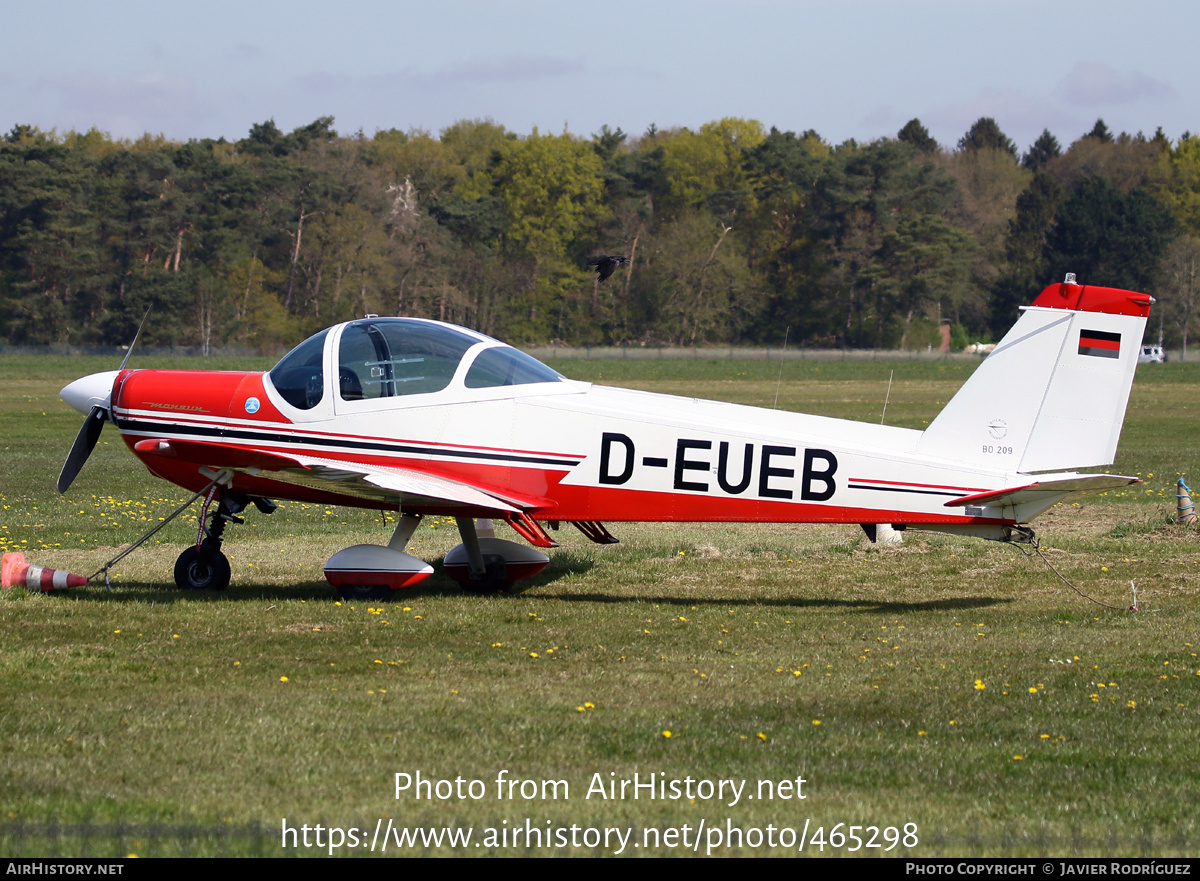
pixel 846 68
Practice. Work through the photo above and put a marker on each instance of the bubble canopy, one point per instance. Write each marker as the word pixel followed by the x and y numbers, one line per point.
pixel 395 357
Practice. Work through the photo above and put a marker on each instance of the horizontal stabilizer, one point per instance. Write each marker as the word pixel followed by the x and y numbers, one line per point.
pixel 1076 484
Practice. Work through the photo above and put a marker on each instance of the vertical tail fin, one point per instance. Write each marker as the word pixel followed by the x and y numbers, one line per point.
pixel 1052 394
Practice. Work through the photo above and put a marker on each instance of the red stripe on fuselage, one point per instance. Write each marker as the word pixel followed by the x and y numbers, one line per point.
pixel 570 502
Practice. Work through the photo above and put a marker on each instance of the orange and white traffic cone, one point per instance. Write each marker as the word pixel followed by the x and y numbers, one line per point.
pixel 1185 511
pixel 15 572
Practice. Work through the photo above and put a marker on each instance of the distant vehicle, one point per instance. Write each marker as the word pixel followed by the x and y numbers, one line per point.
pixel 984 349
pixel 1152 355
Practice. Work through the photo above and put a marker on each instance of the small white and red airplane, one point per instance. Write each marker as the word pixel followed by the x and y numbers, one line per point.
pixel 431 419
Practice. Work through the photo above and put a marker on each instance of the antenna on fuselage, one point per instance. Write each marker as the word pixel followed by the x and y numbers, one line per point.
pixel 887 397
pixel 136 336
pixel 779 381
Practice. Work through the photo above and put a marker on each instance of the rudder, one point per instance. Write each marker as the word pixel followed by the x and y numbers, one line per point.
pixel 1052 395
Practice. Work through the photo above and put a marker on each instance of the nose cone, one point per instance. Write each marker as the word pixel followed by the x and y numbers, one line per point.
pixel 90 391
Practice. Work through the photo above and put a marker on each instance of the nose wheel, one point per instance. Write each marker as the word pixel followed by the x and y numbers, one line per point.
pixel 202 568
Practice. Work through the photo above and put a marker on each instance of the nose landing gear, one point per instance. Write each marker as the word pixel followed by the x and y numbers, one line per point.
pixel 203 566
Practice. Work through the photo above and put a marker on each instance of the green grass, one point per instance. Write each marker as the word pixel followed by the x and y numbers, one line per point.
pixel 150 721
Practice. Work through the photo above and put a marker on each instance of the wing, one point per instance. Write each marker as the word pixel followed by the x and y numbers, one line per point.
pixel 383 483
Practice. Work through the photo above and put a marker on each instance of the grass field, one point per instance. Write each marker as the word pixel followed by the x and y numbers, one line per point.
pixel 952 684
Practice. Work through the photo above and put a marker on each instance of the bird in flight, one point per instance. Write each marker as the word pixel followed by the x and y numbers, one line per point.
pixel 606 266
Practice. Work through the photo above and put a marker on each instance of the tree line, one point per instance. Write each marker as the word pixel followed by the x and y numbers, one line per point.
pixel 734 233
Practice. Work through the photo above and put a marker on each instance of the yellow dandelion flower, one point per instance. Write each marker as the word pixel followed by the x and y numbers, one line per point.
pixel 816 721
pixel 979 686
pixel 1017 758
pixel 761 737
pixel 1131 704
pixel 666 733
pixel 283 679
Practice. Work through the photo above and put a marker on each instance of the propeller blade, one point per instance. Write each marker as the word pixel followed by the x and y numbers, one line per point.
pixel 85 442
pixel 80 394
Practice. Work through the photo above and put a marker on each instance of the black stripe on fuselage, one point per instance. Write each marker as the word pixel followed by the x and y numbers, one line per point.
pixel 920 492
pixel 228 433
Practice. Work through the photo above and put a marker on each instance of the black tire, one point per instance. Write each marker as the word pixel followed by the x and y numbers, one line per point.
pixel 365 592
pixel 202 569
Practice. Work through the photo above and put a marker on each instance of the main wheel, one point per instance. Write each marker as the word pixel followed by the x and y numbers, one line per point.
pixel 202 569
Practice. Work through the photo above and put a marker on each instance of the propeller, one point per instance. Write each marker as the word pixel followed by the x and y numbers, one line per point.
pixel 85 442
pixel 91 395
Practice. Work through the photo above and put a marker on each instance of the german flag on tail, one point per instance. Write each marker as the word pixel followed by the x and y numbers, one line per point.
pixel 1099 343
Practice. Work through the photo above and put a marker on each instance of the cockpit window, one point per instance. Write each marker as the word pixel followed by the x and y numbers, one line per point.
pixel 299 377
pixel 384 358
pixel 504 366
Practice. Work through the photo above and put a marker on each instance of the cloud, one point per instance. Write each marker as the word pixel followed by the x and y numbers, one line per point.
pixel 506 87
pixel 514 68
pixel 127 106
pixel 1020 115
pixel 884 116
pixel 243 52
pixel 493 71
pixel 1094 84
pixel 150 92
